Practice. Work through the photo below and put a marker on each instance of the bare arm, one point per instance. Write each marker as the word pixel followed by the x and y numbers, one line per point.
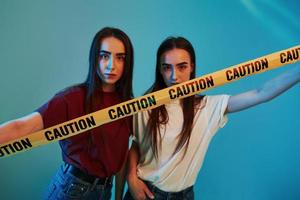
pixel 133 159
pixel 20 127
pixel 137 187
pixel 268 91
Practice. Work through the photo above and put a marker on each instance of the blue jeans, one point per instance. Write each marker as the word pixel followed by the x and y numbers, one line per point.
pixel 186 194
pixel 65 186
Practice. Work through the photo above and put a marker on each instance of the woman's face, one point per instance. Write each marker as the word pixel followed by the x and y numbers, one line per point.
pixel 111 62
pixel 176 66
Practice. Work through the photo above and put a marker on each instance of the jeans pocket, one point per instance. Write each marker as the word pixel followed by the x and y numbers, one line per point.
pixel 76 190
pixel 104 194
pixel 190 195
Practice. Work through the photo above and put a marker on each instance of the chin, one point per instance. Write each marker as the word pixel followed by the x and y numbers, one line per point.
pixel 110 82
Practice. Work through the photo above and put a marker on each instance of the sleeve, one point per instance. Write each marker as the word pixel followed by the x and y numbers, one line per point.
pixel 135 127
pixel 217 106
pixel 140 121
pixel 54 111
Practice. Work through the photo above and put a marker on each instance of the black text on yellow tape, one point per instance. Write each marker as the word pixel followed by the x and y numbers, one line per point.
pixel 150 101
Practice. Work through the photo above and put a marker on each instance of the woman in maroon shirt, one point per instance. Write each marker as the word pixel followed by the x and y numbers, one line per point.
pixel 90 159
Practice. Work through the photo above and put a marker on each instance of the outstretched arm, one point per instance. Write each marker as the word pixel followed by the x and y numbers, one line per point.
pixel 268 91
pixel 20 127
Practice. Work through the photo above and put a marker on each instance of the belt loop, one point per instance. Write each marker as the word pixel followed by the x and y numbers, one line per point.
pixel 94 183
pixel 66 167
pixel 107 181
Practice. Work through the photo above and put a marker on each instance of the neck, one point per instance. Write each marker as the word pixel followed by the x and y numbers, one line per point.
pixel 108 88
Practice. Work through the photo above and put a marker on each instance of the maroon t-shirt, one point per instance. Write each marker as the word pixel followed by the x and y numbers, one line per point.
pixel 100 152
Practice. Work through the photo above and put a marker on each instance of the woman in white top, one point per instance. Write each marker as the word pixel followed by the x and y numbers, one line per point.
pixel 170 141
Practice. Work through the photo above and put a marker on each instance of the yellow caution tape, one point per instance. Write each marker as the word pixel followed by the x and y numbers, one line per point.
pixel 150 101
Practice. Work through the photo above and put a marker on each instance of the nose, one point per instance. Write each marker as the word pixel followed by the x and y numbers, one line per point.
pixel 173 75
pixel 111 64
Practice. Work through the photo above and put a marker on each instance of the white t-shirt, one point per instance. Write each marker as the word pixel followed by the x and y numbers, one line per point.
pixel 169 172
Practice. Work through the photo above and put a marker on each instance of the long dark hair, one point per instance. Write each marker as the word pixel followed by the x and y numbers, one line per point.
pixel 159 115
pixel 93 82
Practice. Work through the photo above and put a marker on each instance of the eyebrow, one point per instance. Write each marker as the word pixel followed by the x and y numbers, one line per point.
pixel 165 64
pixel 178 64
pixel 103 51
pixel 182 63
pixel 107 52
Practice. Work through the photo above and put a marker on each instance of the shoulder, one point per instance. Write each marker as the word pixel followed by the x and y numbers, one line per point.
pixel 217 102
pixel 76 91
pixel 217 97
pixel 209 101
pixel 141 117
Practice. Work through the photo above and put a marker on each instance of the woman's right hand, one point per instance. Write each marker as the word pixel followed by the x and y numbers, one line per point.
pixel 138 188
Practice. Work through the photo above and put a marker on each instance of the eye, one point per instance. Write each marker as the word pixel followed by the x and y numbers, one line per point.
pixel 166 68
pixel 104 56
pixel 120 57
pixel 182 67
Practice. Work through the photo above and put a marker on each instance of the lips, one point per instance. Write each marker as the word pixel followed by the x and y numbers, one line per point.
pixel 110 75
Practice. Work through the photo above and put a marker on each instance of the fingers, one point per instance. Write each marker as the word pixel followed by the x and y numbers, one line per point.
pixel 140 191
pixel 148 192
pixel 137 190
